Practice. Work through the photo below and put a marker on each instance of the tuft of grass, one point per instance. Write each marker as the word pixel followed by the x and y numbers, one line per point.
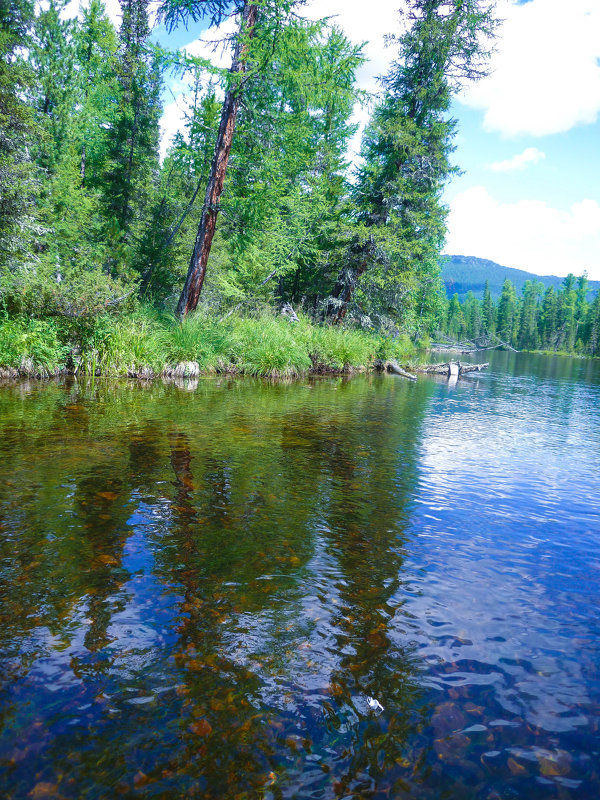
pixel 340 349
pixel 122 345
pixel 269 346
pixel 198 338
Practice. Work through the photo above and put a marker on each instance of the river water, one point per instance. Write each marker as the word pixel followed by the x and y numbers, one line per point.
pixel 332 588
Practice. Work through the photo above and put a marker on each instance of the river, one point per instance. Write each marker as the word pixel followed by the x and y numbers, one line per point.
pixel 330 588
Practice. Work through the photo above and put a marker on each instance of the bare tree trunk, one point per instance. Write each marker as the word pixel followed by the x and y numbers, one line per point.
pixel 206 230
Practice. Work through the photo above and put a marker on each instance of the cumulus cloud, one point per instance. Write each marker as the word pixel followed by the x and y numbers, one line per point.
pixel 546 71
pixel 531 155
pixel 528 234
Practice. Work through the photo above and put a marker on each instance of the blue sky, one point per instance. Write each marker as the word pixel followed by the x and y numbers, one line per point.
pixel 528 140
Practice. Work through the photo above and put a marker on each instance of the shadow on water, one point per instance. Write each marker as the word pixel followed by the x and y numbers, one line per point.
pixel 226 591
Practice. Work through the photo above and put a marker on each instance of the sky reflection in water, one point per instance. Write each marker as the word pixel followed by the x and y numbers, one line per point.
pixel 202 586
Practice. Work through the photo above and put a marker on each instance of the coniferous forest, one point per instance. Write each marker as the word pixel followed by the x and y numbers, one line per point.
pixel 542 318
pixel 115 260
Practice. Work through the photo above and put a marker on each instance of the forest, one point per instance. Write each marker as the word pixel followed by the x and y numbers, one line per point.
pixel 115 260
pixel 540 319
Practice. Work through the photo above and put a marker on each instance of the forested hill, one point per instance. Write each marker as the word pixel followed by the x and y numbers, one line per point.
pixel 462 274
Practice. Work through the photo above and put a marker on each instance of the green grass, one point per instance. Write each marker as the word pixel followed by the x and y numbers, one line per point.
pixel 145 342
pixel 32 346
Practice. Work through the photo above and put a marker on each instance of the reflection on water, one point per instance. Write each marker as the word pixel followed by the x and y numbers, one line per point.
pixel 204 590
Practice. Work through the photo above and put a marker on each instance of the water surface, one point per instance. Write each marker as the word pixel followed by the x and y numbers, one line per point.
pixel 202 585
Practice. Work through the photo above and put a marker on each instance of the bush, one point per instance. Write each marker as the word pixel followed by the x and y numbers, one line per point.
pixel 32 345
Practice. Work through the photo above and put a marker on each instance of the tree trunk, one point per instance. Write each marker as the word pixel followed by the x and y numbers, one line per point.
pixel 347 281
pixel 206 230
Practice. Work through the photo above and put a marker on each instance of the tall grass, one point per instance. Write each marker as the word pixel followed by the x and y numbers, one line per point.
pixel 145 342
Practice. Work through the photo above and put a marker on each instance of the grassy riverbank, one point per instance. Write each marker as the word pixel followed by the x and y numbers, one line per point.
pixel 146 344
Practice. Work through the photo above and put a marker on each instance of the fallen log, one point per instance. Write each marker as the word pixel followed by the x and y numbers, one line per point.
pixel 451 368
pixel 473 367
pixel 435 369
pixel 395 369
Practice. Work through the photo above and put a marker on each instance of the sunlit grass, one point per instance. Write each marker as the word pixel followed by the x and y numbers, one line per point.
pixel 147 343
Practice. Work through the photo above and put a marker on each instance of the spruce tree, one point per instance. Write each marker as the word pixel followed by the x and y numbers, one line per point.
pixel 488 311
pixel 18 131
pixel 406 152
pixel 507 313
pixel 133 138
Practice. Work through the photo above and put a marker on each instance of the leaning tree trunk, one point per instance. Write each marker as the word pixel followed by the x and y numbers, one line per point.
pixel 206 230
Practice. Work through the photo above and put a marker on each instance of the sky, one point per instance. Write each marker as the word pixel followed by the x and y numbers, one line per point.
pixel 528 139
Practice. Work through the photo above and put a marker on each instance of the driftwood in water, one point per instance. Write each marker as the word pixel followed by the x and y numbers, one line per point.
pixel 451 368
pixel 393 368
pixel 472 367
pixel 448 368
pixel 396 369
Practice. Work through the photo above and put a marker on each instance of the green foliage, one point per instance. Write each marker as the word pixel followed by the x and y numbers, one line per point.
pixel 144 340
pixel 34 345
pixel 124 345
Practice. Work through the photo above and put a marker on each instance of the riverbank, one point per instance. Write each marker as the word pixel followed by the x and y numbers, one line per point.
pixel 145 345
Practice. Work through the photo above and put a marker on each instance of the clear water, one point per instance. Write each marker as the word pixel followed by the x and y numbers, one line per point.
pixel 201 586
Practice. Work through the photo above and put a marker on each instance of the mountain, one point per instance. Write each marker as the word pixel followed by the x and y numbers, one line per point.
pixel 463 273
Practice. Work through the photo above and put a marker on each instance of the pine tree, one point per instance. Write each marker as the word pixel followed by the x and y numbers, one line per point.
pixel 472 314
pixel 507 313
pixel 594 335
pixel 548 319
pixel 95 51
pixel 566 314
pixel 528 337
pixel 52 59
pixel 455 325
pixel 581 312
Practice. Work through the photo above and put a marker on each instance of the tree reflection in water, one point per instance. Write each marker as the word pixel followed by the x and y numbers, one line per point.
pixel 232 592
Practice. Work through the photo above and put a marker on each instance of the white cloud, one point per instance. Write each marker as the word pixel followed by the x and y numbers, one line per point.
pixel 531 155
pixel 546 74
pixel 527 234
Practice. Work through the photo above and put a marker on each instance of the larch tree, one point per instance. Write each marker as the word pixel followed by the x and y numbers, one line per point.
pixel 259 25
